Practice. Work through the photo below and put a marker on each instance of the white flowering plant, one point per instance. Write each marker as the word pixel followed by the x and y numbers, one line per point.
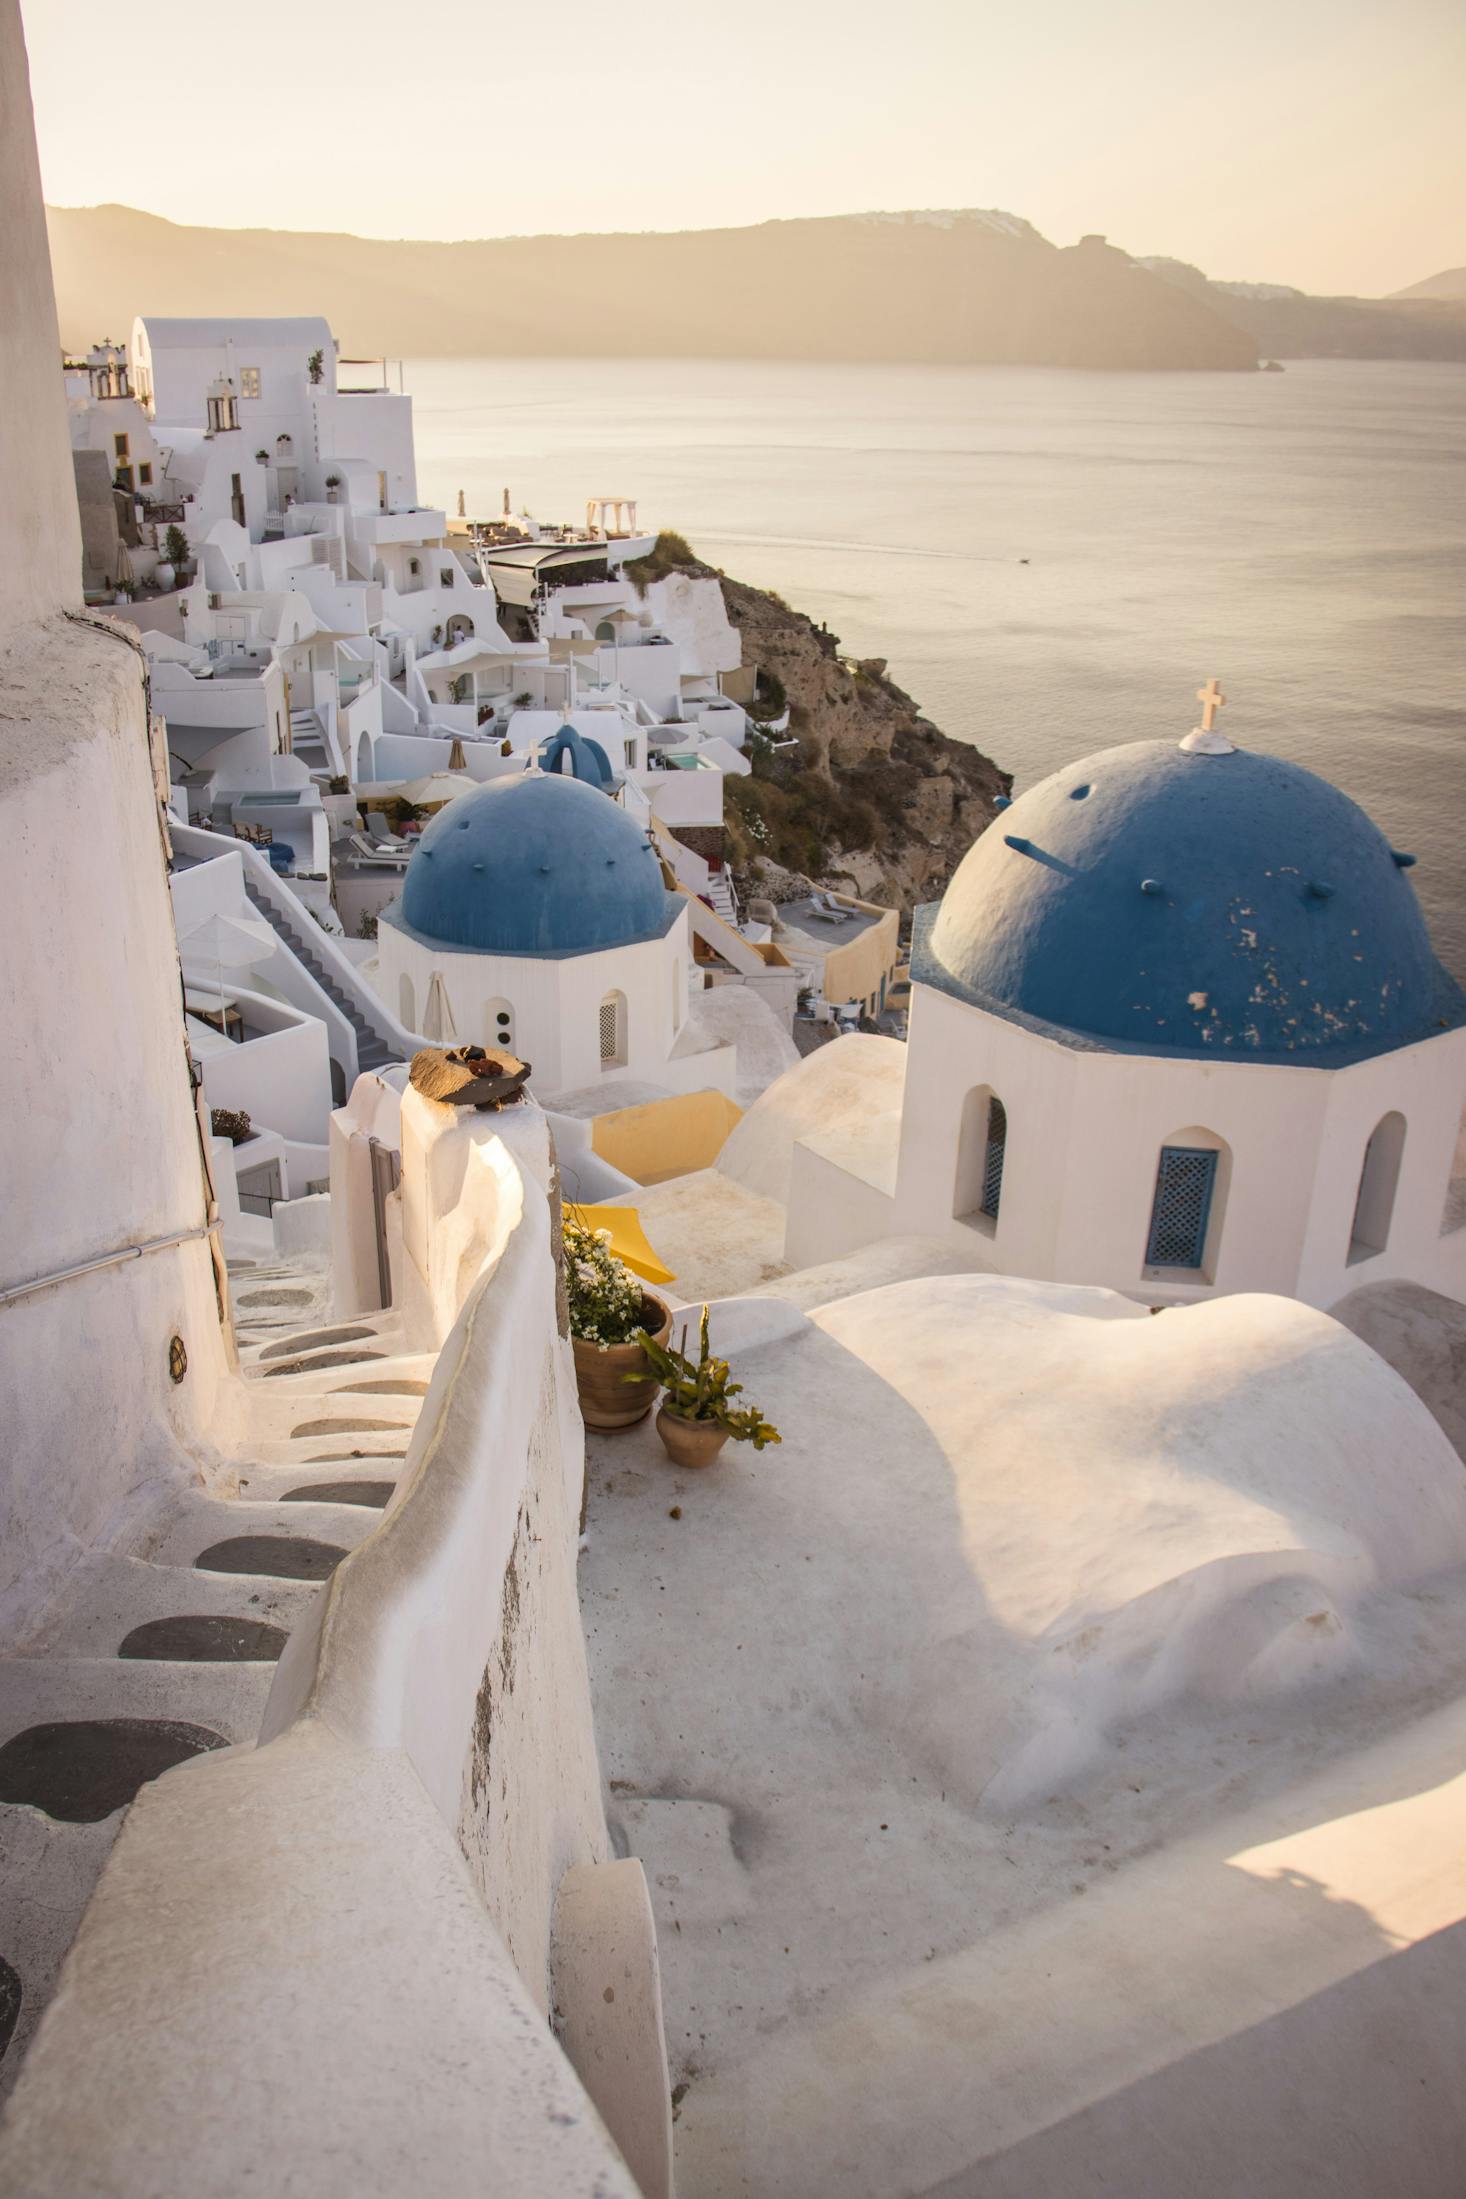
pixel 607 1302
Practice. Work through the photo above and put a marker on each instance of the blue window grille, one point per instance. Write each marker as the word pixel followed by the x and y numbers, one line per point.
pixel 992 1160
pixel 1184 1184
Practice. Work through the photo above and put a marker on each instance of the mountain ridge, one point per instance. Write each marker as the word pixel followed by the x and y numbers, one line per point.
pixel 969 287
pixel 932 285
pixel 1449 285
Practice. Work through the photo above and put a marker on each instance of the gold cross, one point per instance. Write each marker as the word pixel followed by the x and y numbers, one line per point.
pixel 1211 699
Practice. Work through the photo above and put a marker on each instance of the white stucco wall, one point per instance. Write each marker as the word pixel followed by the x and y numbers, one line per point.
pixel 691 612
pixel 554 1003
pixel 93 1162
pixel 1084 1133
pixel 40 530
pixel 101 1149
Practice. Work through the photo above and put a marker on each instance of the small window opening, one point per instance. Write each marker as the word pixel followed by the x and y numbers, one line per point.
pixel 982 1146
pixel 612 1031
pixel 1379 1176
pixel 1185 1181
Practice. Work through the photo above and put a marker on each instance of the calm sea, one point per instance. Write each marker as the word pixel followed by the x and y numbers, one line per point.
pixel 1053 562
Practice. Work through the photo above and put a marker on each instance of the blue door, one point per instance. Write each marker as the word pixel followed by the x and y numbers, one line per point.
pixel 1184 1183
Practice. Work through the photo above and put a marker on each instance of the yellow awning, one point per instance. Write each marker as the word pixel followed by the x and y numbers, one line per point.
pixel 628 1239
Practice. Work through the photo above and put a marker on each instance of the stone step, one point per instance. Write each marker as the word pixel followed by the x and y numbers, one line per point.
pixel 285 1482
pixel 50 1871
pixel 278 1557
pixel 78 1737
pixel 330 1449
pixel 279 1388
pixel 372 1496
pixel 226 1700
pixel 317 1362
pixel 195 1531
pixel 108 1597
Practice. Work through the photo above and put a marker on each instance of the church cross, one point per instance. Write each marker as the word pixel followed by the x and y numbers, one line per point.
pixel 1211 699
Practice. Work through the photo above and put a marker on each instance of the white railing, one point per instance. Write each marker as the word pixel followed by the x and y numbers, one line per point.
pixel 194 840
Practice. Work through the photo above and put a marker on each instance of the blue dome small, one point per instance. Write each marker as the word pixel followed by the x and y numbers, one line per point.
pixel 536 865
pixel 578 756
pixel 1228 905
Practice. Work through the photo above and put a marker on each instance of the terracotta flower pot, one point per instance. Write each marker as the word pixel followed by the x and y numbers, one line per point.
pixel 690 1442
pixel 606 1401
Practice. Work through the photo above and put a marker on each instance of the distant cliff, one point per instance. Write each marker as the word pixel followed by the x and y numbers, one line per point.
pixel 1449 284
pixel 1422 323
pixel 872 797
pixel 957 288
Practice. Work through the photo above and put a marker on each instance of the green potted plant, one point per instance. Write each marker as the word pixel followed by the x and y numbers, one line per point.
pixel 613 1316
pixel 174 564
pixel 697 1415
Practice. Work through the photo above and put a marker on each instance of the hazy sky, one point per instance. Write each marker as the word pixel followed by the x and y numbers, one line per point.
pixel 1318 142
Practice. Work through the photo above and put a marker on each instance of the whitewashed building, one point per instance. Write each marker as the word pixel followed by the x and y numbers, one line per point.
pixel 534 915
pixel 1177 1027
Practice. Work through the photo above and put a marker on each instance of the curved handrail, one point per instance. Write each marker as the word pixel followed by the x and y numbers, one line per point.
pixel 197 840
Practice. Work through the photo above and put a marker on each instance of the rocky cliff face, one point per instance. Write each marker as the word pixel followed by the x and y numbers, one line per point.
pixel 875 799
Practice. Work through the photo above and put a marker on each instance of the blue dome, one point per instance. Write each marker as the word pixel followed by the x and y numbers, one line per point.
pixel 536 865
pixel 1202 904
pixel 579 756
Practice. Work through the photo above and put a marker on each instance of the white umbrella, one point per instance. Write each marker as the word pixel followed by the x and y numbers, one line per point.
pixel 437 1016
pixel 227 943
pixel 438 786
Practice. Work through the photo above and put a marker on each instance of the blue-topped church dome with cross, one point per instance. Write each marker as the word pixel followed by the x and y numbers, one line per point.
pixel 541 865
pixel 1191 898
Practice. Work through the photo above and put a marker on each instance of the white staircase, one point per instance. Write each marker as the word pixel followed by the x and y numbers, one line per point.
pixel 167 1650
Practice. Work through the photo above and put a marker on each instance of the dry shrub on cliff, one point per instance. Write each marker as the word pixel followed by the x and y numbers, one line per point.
pixel 670 553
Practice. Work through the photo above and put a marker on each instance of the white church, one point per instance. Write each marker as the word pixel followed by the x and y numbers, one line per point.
pixel 535 915
pixel 1177 1028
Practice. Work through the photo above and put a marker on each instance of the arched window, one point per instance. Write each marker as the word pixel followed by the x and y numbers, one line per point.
pixel 405 1004
pixel 499 1025
pixel 613 1031
pixel 982 1147
pixel 1374 1202
pixel 1192 1178
pixel 605 631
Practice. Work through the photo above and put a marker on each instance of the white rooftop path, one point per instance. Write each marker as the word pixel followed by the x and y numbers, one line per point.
pixel 722 1229
pixel 1046 1764
pixel 732 1015
pixel 168 1647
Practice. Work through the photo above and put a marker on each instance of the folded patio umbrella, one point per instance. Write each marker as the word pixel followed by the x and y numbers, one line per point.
pixel 628 1239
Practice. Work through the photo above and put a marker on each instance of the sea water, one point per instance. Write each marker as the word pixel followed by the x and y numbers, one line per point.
pixel 1052 561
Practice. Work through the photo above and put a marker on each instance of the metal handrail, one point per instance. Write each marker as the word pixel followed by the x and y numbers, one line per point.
pixel 105 1259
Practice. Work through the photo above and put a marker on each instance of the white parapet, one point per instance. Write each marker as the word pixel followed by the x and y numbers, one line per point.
pixel 339 1943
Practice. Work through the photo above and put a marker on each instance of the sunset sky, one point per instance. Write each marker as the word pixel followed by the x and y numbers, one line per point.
pixel 1317 142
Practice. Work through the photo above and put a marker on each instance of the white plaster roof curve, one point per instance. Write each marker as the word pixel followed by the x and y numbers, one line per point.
pixel 1149 1508
pixel 170 334
pixel 850 1089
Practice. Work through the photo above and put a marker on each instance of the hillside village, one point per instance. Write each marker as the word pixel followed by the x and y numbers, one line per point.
pixel 732 1468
